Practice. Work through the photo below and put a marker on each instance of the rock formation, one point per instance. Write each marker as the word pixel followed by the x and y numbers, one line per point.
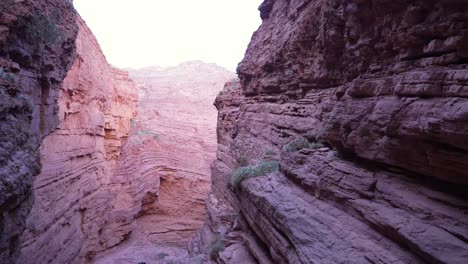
pixel 363 105
pixel 65 109
pixel 76 212
pixel 172 143
pixel 343 142
pixel 37 47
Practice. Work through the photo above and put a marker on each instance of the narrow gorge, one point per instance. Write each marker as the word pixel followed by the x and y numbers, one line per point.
pixel 341 139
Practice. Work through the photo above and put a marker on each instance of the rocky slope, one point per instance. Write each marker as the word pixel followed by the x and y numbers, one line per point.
pixel 364 106
pixel 77 211
pixel 33 62
pixel 172 143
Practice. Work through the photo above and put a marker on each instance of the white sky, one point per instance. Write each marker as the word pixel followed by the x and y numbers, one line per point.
pixel 139 33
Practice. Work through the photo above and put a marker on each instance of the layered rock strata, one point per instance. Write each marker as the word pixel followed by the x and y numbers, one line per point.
pixel 177 124
pixel 77 211
pixel 364 106
pixel 33 63
pixel 173 143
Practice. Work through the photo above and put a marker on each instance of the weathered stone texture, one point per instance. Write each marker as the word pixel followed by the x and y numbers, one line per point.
pixel 171 145
pixel 31 72
pixel 74 216
pixel 382 86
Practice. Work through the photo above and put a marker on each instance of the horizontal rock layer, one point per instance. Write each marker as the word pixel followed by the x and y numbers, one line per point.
pixel 177 124
pixel 379 91
pixel 173 142
pixel 32 69
pixel 75 213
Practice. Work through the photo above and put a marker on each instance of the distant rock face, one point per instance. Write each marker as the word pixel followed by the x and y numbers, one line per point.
pixel 76 211
pixel 32 68
pixel 172 144
pixel 364 106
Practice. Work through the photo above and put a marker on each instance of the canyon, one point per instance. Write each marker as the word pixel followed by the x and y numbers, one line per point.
pixel 173 138
pixel 110 169
pixel 342 140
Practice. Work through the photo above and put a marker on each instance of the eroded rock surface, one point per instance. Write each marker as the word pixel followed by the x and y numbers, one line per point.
pixel 76 212
pixel 173 142
pixel 32 68
pixel 364 106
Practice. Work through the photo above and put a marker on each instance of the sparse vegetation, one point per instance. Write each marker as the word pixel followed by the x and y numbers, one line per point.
pixel 134 141
pixel 146 133
pixel 162 255
pixel 216 247
pixel 6 5
pixel 27 102
pixel 243 151
pixel 300 143
pixel 242 161
pixel 40 28
pixel 9 77
pixel 253 171
pixel 270 153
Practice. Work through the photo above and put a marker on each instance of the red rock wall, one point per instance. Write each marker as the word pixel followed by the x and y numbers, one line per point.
pixel 31 72
pixel 73 214
pixel 175 133
pixel 380 88
pixel 165 176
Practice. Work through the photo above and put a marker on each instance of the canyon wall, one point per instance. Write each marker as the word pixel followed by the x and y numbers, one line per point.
pixel 363 105
pixel 172 144
pixel 176 135
pixel 37 48
pixel 75 214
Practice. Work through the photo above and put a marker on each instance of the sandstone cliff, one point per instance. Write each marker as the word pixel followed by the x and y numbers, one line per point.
pixel 171 146
pixel 364 106
pixel 76 212
pixel 37 47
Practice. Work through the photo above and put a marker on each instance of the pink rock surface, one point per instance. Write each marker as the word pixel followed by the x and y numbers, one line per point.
pixel 73 215
pixel 379 91
pixel 173 143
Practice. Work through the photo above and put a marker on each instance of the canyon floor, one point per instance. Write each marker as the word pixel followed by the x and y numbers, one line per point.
pixel 174 135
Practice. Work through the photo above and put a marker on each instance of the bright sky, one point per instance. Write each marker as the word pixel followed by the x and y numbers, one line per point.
pixel 139 33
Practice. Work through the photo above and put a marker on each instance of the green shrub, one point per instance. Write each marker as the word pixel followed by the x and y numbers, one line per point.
pixel 40 29
pixel 253 171
pixel 296 145
pixel 300 143
pixel 216 247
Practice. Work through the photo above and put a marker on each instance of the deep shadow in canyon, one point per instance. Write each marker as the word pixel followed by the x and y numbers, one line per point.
pixel 342 141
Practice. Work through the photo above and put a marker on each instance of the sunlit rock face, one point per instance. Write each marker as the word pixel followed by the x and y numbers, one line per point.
pixel 378 93
pixel 173 142
pixel 32 69
pixel 76 210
